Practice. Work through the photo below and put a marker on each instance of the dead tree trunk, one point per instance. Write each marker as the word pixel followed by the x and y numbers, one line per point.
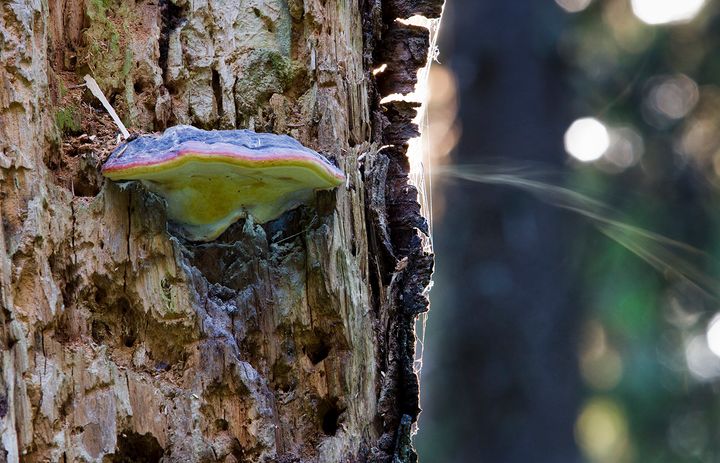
pixel 292 341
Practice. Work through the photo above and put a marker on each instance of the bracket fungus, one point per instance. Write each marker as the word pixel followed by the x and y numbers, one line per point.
pixel 210 179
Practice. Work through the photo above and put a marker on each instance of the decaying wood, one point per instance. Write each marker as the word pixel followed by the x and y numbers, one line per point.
pixel 292 341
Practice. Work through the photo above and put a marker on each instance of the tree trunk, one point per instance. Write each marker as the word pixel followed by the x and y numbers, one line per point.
pixel 290 341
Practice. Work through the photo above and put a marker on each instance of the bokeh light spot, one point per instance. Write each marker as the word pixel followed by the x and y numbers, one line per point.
pixel 626 148
pixel 601 431
pixel 713 335
pixel 700 138
pixel 673 97
pixel 600 365
pixel 573 6
pixel 688 434
pixel 702 363
pixel 656 12
pixel 587 139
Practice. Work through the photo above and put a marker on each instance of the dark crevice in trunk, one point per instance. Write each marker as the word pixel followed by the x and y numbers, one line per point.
pixel 171 19
pixel 217 92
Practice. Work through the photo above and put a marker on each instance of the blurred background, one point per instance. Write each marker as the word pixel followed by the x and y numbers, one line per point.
pixel 552 338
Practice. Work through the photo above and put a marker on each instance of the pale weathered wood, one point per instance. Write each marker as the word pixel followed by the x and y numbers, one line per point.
pixel 283 342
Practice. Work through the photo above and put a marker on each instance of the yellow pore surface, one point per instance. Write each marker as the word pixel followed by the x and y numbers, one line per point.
pixel 206 194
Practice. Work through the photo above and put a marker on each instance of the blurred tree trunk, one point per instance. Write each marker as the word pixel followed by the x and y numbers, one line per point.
pixel 292 341
pixel 516 288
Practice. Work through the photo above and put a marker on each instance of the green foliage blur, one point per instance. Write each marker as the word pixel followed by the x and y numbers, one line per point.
pixel 649 347
pixel 550 340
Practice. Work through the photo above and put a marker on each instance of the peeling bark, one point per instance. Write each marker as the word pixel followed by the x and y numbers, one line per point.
pixel 290 341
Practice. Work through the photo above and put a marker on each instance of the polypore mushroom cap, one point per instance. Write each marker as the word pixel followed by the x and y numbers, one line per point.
pixel 210 179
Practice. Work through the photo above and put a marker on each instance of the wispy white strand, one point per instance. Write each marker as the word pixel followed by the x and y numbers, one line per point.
pixel 95 89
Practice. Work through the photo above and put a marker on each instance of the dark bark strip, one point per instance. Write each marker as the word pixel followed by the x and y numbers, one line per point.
pixel 401 269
